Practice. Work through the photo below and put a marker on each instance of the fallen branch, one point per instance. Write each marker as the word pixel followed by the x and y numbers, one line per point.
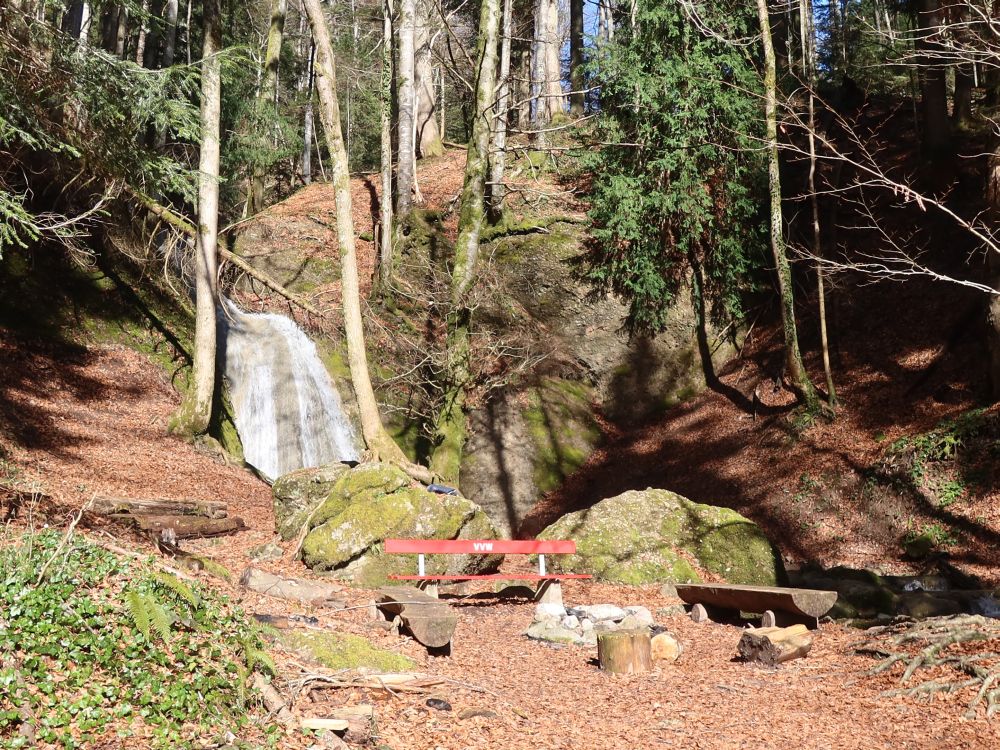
pixel 273 701
pixel 291 589
pixel 186 227
pixel 108 506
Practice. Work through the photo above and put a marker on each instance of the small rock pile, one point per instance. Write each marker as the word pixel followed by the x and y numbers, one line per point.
pixel 580 625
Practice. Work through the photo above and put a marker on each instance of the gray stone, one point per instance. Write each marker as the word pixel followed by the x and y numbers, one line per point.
pixel 298 493
pixel 589 638
pixel 571 621
pixel 633 622
pixel 668 590
pixel 672 610
pixel 640 614
pixel 548 611
pixel 598 612
pixel 268 551
pixel 649 537
pixel 586 624
pixel 552 632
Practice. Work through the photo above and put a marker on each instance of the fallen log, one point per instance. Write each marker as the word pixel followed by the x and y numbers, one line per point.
pixel 625 651
pixel 773 646
pixel 189 527
pixel 316 593
pixel 113 506
pixel 429 620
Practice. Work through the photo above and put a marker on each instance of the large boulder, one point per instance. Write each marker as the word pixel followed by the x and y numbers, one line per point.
pixel 373 502
pixel 655 535
pixel 298 493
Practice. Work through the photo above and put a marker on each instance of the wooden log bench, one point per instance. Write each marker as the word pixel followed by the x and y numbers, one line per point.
pixel 549 589
pixel 779 606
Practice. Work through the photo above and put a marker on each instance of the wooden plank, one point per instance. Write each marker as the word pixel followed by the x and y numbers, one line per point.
pixel 810 603
pixel 431 621
pixel 479 547
pixel 189 527
pixel 107 506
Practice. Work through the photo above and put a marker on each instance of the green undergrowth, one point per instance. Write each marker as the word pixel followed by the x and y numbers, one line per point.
pixel 97 650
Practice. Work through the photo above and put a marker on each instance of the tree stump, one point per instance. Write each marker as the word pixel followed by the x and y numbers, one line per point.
pixel 773 646
pixel 625 651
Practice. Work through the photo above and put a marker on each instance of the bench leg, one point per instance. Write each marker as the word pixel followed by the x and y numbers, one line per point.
pixel 549 592
pixel 429 587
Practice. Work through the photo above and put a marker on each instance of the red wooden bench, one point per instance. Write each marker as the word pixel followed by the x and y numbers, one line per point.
pixel 548 583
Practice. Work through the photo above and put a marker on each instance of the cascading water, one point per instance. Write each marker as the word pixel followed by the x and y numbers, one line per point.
pixel 288 412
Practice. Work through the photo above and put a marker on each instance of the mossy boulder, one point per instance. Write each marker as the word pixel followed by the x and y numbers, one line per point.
pixel 344 651
pixel 373 502
pixel 298 493
pixel 652 536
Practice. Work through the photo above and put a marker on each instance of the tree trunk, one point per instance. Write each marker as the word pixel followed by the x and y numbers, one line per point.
pixel 793 357
pixel 577 98
pixel 268 91
pixel 429 137
pixel 961 113
pixel 451 424
pixel 196 410
pixel 521 57
pixel 809 69
pixel 121 34
pixel 993 266
pixel 140 46
pixel 376 438
pixel 933 80
pixel 170 36
pixel 548 72
pixel 406 104
pixel 307 129
pixel 385 107
pixel 774 646
pixel 151 56
pixel 496 187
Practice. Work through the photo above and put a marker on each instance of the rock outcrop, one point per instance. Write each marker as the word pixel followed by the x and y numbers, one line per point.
pixel 655 535
pixel 350 512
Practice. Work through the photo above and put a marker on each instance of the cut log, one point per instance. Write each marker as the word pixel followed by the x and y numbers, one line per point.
pixel 190 527
pixel 316 593
pixel 773 646
pixel 429 620
pixel 786 603
pixel 625 651
pixel 334 725
pixel 109 506
pixel 665 647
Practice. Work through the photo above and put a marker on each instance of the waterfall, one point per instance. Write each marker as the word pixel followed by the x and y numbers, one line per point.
pixel 288 412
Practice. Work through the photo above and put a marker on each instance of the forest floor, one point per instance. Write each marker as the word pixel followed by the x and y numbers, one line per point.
pixel 79 421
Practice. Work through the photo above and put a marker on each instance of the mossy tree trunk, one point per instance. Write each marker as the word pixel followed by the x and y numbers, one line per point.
pixel 196 410
pixel 451 424
pixel 377 439
pixel 793 357
pixel 268 90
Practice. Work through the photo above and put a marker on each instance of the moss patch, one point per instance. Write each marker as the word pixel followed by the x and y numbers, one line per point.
pixel 345 651
pixel 562 428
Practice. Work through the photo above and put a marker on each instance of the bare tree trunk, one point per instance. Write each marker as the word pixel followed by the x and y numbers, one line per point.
pixel 809 70
pixel 548 74
pixel 993 266
pixel 406 169
pixel 140 47
pixel 122 33
pixel 577 98
pixel 307 134
pixel 385 205
pixel 496 191
pixel 451 424
pixel 170 38
pixel 933 81
pixel 376 438
pixel 793 357
pixel 268 90
pixel 428 140
pixel 187 30
pixel 196 410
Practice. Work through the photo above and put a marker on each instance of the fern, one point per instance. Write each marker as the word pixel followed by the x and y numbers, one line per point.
pixel 175 584
pixel 255 657
pixel 136 605
pixel 149 616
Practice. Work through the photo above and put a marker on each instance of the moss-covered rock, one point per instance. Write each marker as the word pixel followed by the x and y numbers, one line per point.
pixel 344 651
pixel 373 502
pixel 298 493
pixel 650 536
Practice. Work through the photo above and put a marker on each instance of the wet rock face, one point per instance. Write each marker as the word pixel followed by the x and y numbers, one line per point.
pixel 372 502
pixel 650 536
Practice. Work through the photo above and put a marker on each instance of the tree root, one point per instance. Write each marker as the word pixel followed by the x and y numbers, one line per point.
pixel 933 638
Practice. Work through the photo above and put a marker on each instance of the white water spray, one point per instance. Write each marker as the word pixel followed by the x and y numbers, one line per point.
pixel 288 412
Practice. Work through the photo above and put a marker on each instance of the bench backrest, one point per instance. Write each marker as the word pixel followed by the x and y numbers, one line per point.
pixel 479 547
